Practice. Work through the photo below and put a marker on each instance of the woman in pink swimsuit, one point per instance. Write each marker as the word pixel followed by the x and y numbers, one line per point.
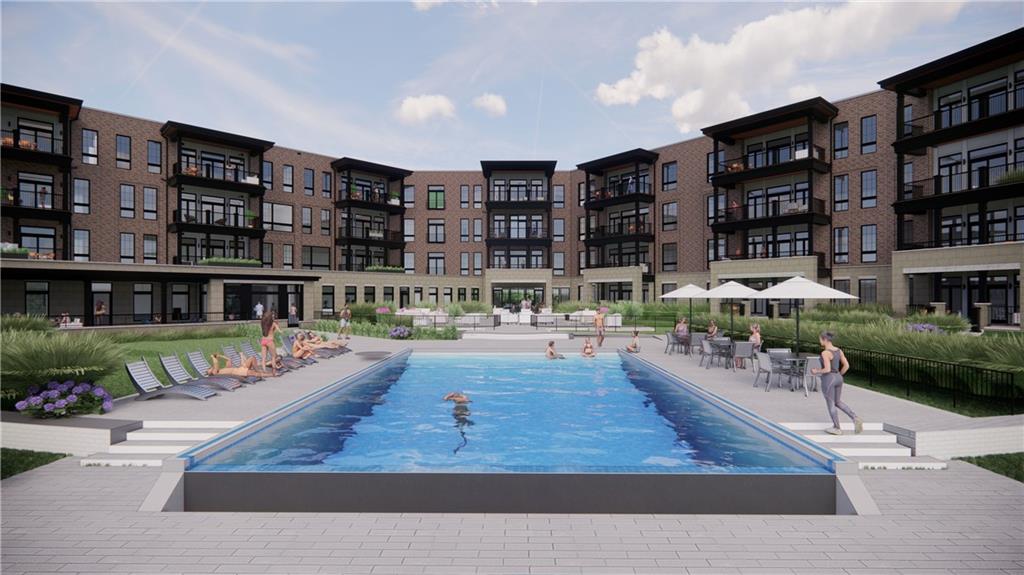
pixel 268 349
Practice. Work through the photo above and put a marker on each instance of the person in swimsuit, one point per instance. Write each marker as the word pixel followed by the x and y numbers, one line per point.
pixel 835 365
pixel 247 369
pixel 634 346
pixel 599 326
pixel 268 348
pixel 588 348
pixel 318 342
pixel 550 352
pixel 300 349
pixel 712 329
pixel 460 413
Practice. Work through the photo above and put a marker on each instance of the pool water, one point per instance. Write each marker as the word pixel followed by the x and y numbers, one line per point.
pixel 526 414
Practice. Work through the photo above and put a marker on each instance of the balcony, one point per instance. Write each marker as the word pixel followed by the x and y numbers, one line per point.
pixel 621 232
pixel 986 184
pixel 30 146
pixel 370 236
pixel 518 198
pixel 619 193
pixel 995 111
pixel 377 200
pixel 208 222
pixel 753 261
pixel 776 212
pixel 35 204
pixel 216 176
pixel 770 163
pixel 533 235
pixel 955 242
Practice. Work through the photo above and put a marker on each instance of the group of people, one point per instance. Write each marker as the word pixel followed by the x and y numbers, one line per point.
pixel 588 350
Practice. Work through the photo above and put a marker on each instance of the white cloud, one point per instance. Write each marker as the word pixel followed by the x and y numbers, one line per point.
pixel 493 104
pixel 799 92
pixel 708 81
pixel 420 109
pixel 424 5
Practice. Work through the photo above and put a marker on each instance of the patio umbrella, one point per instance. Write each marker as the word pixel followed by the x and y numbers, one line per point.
pixel 688 291
pixel 730 291
pixel 801 288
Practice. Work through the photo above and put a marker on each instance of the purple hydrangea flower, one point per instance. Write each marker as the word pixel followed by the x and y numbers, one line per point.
pixel 21 405
pixel 98 392
pixel 61 404
pixel 71 399
pixel 33 389
pixel 69 383
pixel 52 394
pixel 65 387
pixel 108 405
pixel 35 400
pixel 86 386
pixel 53 385
pixel 77 389
pixel 47 407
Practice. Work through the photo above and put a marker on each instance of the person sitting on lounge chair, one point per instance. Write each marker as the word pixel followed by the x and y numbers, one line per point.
pixel 247 369
pixel 318 342
pixel 301 349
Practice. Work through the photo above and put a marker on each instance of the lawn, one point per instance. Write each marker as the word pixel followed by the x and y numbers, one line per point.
pixel 15 461
pixel 1008 464
pixel 971 407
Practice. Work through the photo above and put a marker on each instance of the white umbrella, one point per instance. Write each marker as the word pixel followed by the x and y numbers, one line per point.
pixel 688 291
pixel 801 288
pixel 730 291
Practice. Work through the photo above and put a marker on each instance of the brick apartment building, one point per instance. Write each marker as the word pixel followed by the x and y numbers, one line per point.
pixel 912 196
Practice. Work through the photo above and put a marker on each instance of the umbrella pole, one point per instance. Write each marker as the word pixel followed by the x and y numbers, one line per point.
pixel 732 331
pixel 798 302
pixel 691 313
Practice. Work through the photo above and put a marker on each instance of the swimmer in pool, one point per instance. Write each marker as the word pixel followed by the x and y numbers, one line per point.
pixel 460 413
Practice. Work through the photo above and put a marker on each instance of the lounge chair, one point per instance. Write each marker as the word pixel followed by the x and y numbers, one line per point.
pixel 286 353
pixel 321 353
pixel 179 375
pixel 149 386
pixel 199 363
pixel 333 351
pixel 248 350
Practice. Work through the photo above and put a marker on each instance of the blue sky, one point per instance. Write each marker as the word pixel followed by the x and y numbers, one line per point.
pixel 443 85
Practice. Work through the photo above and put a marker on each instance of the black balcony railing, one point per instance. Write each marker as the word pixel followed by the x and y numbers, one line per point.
pixel 773 251
pixel 526 233
pixel 619 189
pixel 372 196
pixel 370 233
pixel 208 218
pixel 976 179
pixel 755 210
pixel 613 262
pixel 977 108
pixel 952 242
pixel 517 195
pixel 771 157
pixel 1004 314
pixel 621 229
pixel 225 173
pixel 37 199
pixel 30 140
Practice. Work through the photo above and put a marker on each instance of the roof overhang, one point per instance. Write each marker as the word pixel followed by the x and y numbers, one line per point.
pixel 177 130
pixel 490 166
pixel 390 172
pixel 18 96
pixel 638 155
pixel 817 108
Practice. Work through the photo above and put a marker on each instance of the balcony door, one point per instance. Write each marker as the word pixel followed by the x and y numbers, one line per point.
pixel 950 179
pixel 35 190
pixel 987 99
pixel 986 165
pixel 37 135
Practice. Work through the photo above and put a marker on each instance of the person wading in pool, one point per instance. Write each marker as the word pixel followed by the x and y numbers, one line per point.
pixel 460 412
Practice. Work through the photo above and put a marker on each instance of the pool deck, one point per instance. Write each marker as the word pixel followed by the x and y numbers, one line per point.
pixel 71 519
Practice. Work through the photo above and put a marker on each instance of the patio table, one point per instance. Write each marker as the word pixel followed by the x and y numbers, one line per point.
pixel 722 347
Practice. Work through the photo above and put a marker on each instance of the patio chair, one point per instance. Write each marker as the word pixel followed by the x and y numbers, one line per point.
pixel 758 367
pixel 812 363
pixel 695 341
pixel 706 352
pixel 199 363
pixel 743 350
pixel 249 351
pixel 179 375
pixel 672 342
pixel 327 352
pixel 149 387
pixel 765 364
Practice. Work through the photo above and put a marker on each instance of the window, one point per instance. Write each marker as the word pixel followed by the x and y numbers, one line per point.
pixel 841 193
pixel 307 181
pixel 669 173
pixel 325 184
pixel 908 179
pixel 869 243
pixel 325 222
pixel 127 201
pixel 869 189
pixel 558 263
pixel 868 134
pixel 668 287
pixel 435 231
pixel 267 254
pixel 581 191
pixel 463 196
pixel 268 174
pixel 389 293
pixel 409 262
pixel 867 290
pixel 154 153
pixel 277 217
pixel 288 178
pixel 90 147
pixel 669 215
pixel 464 230
pixel 581 260
pixel 435 198
pixel 326 301
pixel 409 196
pixel 462 294
pixel 842 285
pixel 127 248
pixel 558 196
pixel 37 298
pixel 464 263
pixel 478 263
pixel 350 294
pixel 558 230
pixel 124 152
pixel 82 196
pixel 841 140
pixel 142 302
pixel 80 246
pixel 409 229
pixel 307 220
pixel 669 257
pixel 369 294
pixel 478 230
pixel 435 263
pixel 714 163
pixel 715 206
pixel 148 249
pixel 908 117
pixel 316 258
pixel 841 245
pixel 716 249
pixel 149 203
pixel 478 195
pixel 287 256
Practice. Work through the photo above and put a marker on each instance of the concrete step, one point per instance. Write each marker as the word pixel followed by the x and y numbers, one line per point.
pixel 171 434
pixel 879 437
pixel 188 424
pixel 900 463
pixel 861 450
pixel 845 426
pixel 149 447
pixel 123 460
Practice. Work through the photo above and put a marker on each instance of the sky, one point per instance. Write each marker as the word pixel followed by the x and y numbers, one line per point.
pixel 441 85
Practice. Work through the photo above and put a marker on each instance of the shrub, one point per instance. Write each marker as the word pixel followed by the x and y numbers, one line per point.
pixel 386 269
pixel 569 306
pixel 241 262
pixel 33 357
pixel 455 310
pixel 326 325
pixel 25 323
pixel 475 307
pixel 64 399
pixel 241 331
pixel 447 332
pixel 400 332
pixel 14 250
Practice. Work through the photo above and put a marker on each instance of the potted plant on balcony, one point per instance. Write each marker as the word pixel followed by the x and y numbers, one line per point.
pixel 394 199
pixel 250 219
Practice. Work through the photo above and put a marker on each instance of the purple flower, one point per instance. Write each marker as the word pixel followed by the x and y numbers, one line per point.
pixel 21 405
pixel 61 404
pixel 35 400
pixel 69 383
pixel 50 394
pixel 53 385
pixel 99 392
pixel 47 407
pixel 77 389
pixel 65 387
pixel 108 405
pixel 86 386
pixel 33 389
pixel 71 399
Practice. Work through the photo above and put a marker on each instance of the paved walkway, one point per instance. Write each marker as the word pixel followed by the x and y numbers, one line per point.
pixel 72 519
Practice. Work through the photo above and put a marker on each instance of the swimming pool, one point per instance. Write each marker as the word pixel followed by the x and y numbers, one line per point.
pixel 533 430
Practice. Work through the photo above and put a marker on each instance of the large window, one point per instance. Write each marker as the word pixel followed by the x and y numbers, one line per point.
pixel 409 229
pixel 841 193
pixel 435 263
pixel 842 285
pixel 867 290
pixel 669 257
pixel 154 156
pixel 869 243
pixel 435 198
pixel 37 298
pixel 669 173
pixel 325 184
pixel 149 249
pixel 409 196
pixel 90 147
pixel 716 250
pixel 715 207
pixel 307 220
pixel 127 248
pixel 868 134
pixel 841 140
pixel 558 196
pixel 316 258
pixel 268 174
pixel 581 191
pixel 463 196
pixel 435 231
pixel 669 216
pixel 38 239
pixel 127 201
pixel 558 230
pixel 869 189
pixel 124 152
pixel 327 301
pixel 267 254
pixel 409 262
pixel 841 245
pixel 288 178
pixel 277 217
pixel 714 162
pixel 82 196
pixel 908 179
pixel 325 222
pixel 478 196
pixel 558 263
pixel 308 177
pixel 149 203
pixel 80 246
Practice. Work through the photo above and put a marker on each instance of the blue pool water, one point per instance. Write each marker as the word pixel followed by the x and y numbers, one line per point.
pixel 527 414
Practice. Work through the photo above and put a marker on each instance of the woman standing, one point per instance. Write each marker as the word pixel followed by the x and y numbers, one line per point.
pixel 268 348
pixel 834 365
